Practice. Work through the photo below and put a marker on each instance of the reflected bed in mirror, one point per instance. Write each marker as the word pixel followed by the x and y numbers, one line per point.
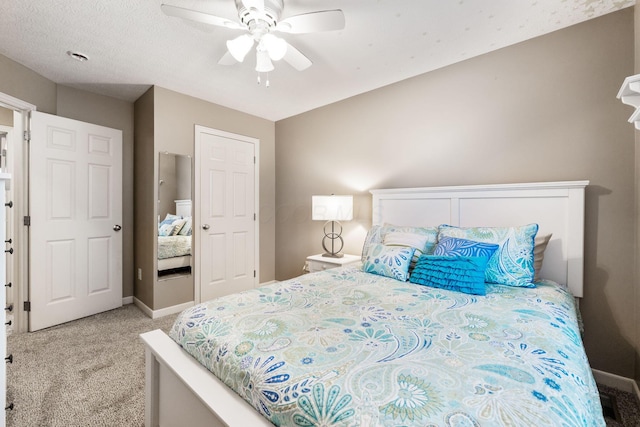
pixel 174 216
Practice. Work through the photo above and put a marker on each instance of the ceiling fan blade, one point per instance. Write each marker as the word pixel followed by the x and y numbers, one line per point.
pixel 326 20
pixel 296 59
pixel 227 59
pixel 194 15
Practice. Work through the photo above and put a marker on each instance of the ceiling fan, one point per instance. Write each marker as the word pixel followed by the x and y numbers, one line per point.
pixel 260 19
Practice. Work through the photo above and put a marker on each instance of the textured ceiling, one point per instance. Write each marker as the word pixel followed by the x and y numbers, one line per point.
pixel 133 45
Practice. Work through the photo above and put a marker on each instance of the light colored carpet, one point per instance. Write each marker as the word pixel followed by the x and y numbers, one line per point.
pixel 89 372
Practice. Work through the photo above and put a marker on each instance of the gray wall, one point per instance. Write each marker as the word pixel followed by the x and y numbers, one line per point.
pixel 542 110
pixel 165 121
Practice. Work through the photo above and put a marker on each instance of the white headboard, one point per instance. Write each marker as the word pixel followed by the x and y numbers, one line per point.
pixel 557 207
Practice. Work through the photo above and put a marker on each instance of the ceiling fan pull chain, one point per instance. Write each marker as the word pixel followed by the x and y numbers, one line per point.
pixel 267 82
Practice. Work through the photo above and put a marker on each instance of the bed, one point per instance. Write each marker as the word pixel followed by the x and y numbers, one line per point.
pixel 174 240
pixel 174 254
pixel 349 347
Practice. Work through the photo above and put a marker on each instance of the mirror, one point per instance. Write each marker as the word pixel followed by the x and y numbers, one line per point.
pixel 174 216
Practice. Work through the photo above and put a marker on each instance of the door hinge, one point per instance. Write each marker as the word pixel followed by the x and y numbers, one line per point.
pixel 254 273
pixel 27 306
pixel 27 220
pixel 254 160
pixel 27 136
pixel 254 217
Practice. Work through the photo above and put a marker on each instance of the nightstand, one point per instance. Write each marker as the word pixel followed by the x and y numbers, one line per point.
pixel 319 262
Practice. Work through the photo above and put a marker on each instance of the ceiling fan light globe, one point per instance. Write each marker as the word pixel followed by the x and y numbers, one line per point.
pixel 240 46
pixel 276 46
pixel 263 62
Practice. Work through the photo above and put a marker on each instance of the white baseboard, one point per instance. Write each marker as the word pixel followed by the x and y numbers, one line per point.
pixel 127 300
pixel 268 283
pixel 618 382
pixel 155 314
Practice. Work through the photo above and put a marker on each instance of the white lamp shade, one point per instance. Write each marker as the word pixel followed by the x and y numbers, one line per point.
pixel 331 208
pixel 276 46
pixel 240 46
pixel 263 62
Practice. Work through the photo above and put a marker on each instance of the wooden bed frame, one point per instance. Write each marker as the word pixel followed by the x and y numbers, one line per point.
pixel 180 391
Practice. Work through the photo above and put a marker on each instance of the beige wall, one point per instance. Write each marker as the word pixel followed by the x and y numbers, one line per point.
pixel 173 119
pixel 144 198
pixel 6 117
pixel 22 83
pixel 542 110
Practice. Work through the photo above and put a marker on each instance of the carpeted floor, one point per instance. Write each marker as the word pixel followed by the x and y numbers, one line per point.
pixel 626 412
pixel 90 373
pixel 87 373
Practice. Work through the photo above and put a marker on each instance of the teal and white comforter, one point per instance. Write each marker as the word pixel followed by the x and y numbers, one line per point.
pixel 347 348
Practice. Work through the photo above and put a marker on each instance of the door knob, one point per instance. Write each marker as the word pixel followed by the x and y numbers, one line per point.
pixel 117 227
pixel 205 226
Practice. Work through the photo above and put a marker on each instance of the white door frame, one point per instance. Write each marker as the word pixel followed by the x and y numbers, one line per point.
pixel 19 291
pixel 196 202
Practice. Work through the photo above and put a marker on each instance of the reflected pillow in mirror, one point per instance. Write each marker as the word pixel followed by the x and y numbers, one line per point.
pixel 186 228
pixel 178 225
pixel 165 229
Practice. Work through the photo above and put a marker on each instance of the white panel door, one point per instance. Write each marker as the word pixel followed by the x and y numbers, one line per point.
pixel 75 204
pixel 227 220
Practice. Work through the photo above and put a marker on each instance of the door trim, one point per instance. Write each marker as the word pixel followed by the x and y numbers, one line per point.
pixel 20 187
pixel 196 202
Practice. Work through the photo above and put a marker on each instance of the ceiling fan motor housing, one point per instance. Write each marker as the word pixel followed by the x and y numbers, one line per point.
pixel 251 16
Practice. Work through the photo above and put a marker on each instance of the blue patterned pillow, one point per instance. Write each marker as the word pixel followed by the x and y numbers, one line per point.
pixel 512 264
pixel 374 235
pixel 455 273
pixel 390 261
pixel 452 246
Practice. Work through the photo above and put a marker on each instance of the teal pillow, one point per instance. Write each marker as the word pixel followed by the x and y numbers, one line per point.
pixel 452 246
pixel 512 264
pixel 454 273
pixel 389 261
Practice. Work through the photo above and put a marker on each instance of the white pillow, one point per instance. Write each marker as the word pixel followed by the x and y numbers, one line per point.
pixel 539 245
pixel 411 240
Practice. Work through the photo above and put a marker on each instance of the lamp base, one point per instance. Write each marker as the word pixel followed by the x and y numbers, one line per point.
pixel 330 255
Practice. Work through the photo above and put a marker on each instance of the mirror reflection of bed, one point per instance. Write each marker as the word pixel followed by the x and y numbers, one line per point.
pixel 175 217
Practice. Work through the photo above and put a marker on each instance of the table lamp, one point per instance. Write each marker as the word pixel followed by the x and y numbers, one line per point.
pixel 332 209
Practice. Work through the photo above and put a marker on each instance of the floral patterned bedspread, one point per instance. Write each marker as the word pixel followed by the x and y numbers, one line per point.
pixel 347 348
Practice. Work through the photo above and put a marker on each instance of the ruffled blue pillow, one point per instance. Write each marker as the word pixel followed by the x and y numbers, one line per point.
pixel 452 246
pixel 455 273
pixel 389 261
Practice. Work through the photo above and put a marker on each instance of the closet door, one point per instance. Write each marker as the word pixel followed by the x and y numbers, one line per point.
pixel 227 220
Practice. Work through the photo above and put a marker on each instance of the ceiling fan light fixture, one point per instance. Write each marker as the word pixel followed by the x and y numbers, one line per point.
pixel 275 46
pixel 263 62
pixel 240 46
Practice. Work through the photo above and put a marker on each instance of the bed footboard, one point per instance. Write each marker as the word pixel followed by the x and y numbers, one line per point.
pixel 180 391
